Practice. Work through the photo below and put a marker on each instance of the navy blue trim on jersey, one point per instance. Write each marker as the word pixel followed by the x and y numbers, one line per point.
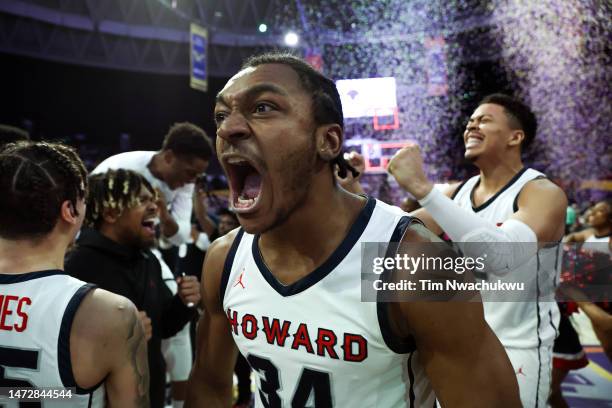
pixel 411 379
pixel 515 202
pixel 328 266
pixel 21 358
pixel 227 266
pixel 559 253
pixel 538 329
pixel 395 343
pixel 490 200
pixel 6 279
pixel 63 342
pixel 452 197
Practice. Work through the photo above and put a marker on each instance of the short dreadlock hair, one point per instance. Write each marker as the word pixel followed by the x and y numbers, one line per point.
pixel 35 179
pixel 326 104
pixel 117 190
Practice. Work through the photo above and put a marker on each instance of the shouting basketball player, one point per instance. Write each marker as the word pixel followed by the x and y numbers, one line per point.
pixel 57 331
pixel 285 287
pixel 513 214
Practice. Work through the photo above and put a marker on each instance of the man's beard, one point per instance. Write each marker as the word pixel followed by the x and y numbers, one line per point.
pixel 298 184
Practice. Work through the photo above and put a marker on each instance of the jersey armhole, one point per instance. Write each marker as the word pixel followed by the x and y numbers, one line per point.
pixel 63 341
pixel 227 266
pixel 394 342
pixel 515 207
pixel 452 197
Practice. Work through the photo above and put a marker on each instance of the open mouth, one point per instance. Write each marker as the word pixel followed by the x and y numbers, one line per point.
pixel 149 225
pixel 245 184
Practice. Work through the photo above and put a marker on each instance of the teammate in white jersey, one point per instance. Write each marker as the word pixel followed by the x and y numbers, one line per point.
pixel 57 332
pixel 285 288
pixel 172 171
pixel 513 214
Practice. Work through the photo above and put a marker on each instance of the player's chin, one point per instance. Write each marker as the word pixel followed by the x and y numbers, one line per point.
pixel 471 155
pixel 255 224
pixel 146 241
pixel 261 221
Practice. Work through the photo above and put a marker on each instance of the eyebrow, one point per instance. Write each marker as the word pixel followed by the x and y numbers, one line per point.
pixel 254 91
pixel 479 116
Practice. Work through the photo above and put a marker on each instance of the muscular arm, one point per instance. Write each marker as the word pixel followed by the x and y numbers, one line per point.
pixel 602 324
pixel 464 360
pixel 111 347
pixel 210 382
pixel 542 206
pixel 580 236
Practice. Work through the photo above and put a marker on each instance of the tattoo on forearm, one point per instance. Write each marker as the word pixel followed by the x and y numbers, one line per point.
pixel 137 347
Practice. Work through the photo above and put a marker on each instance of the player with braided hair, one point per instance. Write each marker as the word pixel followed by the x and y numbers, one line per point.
pixel 11 134
pixel 38 179
pixel 115 254
pixel 47 335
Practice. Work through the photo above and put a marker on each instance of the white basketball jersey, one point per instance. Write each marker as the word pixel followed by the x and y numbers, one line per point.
pixel 36 314
pixel 597 244
pixel 520 324
pixel 314 343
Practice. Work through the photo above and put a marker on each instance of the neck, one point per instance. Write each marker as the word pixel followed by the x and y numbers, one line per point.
pixel 301 234
pixel 494 174
pixel 24 256
pixel 154 166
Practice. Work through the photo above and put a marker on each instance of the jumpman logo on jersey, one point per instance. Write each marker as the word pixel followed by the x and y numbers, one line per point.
pixel 239 280
pixel 520 371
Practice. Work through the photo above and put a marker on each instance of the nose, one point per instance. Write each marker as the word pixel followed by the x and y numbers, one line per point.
pixel 472 125
pixel 152 207
pixel 234 127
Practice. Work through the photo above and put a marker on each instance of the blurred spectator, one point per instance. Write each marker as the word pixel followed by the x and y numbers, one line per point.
pixel 570 218
pixel 599 219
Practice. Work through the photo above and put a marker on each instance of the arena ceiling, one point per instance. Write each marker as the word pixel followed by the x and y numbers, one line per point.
pixel 153 35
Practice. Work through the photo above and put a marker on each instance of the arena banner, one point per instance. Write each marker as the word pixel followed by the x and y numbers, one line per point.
pixel 435 57
pixel 198 56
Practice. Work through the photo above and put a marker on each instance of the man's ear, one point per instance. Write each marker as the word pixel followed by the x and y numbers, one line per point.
pixel 329 140
pixel 168 156
pixel 68 213
pixel 516 138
